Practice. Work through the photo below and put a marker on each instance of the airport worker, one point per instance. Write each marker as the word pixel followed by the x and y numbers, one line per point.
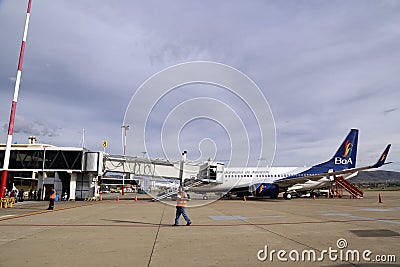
pixel 39 194
pixel 12 195
pixel 15 196
pixel 21 195
pixel 52 198
pixel 181 207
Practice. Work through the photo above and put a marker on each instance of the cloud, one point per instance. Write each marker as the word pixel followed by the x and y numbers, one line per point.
pixel 37 128
pixel 390 110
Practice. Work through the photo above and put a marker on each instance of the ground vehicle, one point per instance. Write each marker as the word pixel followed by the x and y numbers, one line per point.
pixel 105 190
pixel 320 192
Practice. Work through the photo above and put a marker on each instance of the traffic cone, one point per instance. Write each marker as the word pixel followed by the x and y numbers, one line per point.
pixel 244 198
pixel 117 199
pixel 380 198
pixel 135 198
pixel 101 197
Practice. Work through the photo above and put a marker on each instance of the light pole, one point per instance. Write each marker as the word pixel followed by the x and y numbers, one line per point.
pixel 183 159
pixel 124 129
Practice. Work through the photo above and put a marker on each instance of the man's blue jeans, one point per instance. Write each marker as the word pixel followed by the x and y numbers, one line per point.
pixel 179 211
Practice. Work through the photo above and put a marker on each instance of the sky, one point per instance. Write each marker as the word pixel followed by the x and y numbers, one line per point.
pixel 323 67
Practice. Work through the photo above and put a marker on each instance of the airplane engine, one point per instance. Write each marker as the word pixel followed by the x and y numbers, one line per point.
pixel 267 190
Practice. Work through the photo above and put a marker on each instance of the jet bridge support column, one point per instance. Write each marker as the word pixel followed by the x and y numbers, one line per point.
pixel 33 181
pixel 40 186
pixel 72 186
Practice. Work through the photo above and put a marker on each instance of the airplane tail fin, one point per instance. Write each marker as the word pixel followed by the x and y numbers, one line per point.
pixel 346 155
pixel 383 157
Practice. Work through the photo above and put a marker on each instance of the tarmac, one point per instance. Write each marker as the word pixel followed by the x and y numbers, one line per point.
pixel 300 232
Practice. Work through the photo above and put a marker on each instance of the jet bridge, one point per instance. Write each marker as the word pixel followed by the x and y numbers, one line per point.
pixel 209 172
pixel 148 167
pixel 212 172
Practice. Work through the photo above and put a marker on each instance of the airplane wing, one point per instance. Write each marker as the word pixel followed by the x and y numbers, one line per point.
pixel 290 181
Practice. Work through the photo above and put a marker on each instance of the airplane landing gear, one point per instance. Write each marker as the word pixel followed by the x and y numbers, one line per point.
pixel 287 195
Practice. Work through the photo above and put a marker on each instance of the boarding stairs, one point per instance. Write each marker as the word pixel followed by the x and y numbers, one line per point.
pixel 170 192
pixel 349 187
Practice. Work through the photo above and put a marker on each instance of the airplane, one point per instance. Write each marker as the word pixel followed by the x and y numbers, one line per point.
pixel 270 181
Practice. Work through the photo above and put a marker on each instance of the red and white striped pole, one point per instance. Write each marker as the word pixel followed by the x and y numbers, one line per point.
pixel 4 173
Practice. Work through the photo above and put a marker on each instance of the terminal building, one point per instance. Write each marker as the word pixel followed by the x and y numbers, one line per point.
pixel 73 172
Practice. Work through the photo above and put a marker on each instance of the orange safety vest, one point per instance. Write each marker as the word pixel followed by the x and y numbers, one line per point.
pixel 53 196
pixel 181 202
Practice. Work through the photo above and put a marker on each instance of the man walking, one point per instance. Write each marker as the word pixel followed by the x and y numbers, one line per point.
pixel 181 207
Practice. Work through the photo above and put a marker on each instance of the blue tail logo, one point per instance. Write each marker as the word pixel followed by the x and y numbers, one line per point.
pixel 347 148
pixel 345 156
pixel 383 157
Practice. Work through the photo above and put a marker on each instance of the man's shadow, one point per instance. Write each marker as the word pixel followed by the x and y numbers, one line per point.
pixel 136 222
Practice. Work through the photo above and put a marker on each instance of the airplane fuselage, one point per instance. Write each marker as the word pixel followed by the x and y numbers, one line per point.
pixel 247 177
